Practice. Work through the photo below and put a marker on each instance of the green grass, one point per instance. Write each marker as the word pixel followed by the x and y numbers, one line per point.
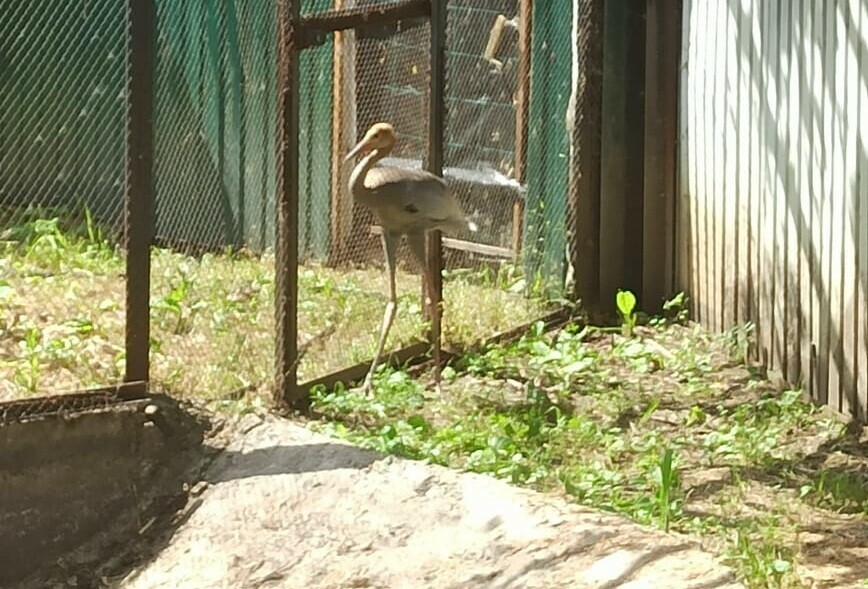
pixel 657 419
pixel 212 337
pixel 664 426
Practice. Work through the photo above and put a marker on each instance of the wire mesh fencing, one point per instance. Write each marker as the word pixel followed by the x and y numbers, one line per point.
pixel 358 78
pixel 62 113
pixel 486 288
pixel 212 272
pixel 216 180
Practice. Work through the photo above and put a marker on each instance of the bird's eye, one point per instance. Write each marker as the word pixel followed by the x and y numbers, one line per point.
pixel 376 135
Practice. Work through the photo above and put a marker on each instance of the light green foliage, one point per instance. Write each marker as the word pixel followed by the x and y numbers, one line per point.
pixel 212 329
pixel 624 424
pixel 626 303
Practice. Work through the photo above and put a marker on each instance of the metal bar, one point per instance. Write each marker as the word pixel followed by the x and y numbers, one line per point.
pixel 553 320
pixel 411 354
pixel 139 190
pixel 362 17
pixel 661 129
pixel 416 354
pixel 434 163
pixel 75 401
pixel 286 258
pixel 585 149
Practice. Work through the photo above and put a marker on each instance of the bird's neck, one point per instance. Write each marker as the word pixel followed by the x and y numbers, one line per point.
pixel 357 178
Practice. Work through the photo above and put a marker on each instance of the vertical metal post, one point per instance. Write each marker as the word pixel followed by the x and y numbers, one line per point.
pixel 434 164
pixel 663 53
pixel 286 389
pixel 584 120
pixel 139 191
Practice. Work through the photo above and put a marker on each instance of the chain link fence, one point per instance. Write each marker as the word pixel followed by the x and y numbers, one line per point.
pixel 348 83
pixel 212 270
pixel 486 287
pixel 216 121
pixel 62 113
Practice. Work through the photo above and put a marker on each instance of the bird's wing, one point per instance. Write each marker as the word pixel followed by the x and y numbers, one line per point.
pixel 382 176
pixel 413 199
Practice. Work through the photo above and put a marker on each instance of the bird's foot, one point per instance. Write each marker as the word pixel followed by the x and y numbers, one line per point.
pixel 368 387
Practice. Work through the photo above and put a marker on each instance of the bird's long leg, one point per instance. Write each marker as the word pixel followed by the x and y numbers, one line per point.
pixel 390 241
pixel 416 241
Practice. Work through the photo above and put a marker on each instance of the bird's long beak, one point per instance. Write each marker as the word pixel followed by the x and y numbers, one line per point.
pixel 361 147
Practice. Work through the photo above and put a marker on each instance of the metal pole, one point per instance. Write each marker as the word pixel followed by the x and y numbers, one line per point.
pixel 139 192
pixel 286 391
pixel 436 125
pixel 584 120
pixel 661 136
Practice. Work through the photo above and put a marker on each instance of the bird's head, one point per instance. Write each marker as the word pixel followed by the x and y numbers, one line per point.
pixel 380 137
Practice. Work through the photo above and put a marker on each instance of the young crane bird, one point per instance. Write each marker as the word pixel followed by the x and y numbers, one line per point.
pixel 406 202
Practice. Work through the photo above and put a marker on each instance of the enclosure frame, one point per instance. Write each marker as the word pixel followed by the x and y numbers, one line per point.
pixel 295 34
pixel 139 195
pixel 651 274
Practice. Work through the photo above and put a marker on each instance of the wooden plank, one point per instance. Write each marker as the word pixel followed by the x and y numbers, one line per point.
pixel 729 164
pixel 465 246
pixel 685 194
pixel 742 73
pixel 862 226
pixel 753 42
pixel 775 196
pixel 818 162
pixel 781 191
pixel 764 233
pixel 790 85
pixel 344 134
pixel 522 110
pixel 803 46
pixel 522 96
pixel 700 56
pixel 415 354
pixel 719 221
pixel 835 72
pixel 713 219
pixel 849 221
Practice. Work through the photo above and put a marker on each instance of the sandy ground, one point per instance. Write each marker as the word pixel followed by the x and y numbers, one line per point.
pixel 285 507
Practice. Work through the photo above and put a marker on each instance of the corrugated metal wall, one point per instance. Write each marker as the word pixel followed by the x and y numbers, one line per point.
pixel 773 197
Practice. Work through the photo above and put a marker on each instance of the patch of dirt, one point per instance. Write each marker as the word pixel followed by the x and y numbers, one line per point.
pixel 286 507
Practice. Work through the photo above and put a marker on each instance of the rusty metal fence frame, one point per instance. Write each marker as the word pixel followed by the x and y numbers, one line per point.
pixel 295 34
pixel 138 217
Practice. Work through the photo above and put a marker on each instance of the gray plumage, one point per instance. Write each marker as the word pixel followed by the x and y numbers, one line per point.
pixel 406 202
